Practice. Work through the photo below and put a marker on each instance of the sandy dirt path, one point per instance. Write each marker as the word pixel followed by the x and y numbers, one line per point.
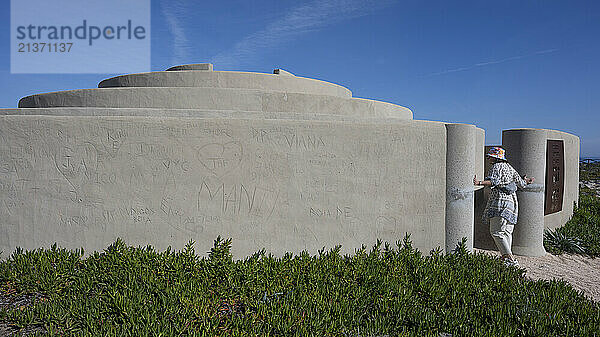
pixel 583 273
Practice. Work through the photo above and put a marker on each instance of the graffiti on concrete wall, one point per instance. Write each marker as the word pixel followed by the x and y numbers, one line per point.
pixel 199 179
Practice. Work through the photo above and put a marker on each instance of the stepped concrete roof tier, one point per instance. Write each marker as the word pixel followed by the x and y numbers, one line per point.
pixel 282 82
pixel 274 161
pixel 215 99
pixel 198 87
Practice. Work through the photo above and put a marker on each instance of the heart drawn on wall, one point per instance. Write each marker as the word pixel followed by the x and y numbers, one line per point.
pixel 78 163
pixel 220 158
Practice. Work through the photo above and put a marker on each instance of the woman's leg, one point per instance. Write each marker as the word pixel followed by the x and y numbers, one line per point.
pixel 509 231
pixel 501 231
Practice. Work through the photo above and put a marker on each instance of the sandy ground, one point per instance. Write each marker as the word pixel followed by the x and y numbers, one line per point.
pixel 583 273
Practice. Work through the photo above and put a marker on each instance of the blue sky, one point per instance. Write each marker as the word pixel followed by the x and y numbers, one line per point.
pixel 497 64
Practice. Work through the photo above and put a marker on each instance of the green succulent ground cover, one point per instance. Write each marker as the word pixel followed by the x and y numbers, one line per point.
pixel 384 291
pixel 581 234
pixel 127 291
pixel 589 171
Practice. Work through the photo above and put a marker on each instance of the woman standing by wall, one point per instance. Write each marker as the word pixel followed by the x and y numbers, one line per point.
pixel 502 208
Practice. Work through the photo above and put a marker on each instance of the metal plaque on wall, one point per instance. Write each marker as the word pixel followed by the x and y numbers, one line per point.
pixel 555 176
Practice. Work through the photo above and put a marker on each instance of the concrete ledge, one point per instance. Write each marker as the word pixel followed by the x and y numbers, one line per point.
pixel 195 113
pixel 195 67
pixel 214 99
pixel 227 79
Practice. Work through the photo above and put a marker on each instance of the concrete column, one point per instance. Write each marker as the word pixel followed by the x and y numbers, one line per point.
pixel 460 168
pixel 526 152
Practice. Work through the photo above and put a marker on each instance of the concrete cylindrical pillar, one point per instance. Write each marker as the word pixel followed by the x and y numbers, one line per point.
pixel 526 152
pixel 460 168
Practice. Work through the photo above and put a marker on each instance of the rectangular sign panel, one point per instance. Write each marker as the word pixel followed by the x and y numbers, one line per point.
pixel 555 176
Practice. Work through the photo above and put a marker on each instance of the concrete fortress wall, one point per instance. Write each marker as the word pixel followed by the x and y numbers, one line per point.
pixel 273 161
pixel 283 185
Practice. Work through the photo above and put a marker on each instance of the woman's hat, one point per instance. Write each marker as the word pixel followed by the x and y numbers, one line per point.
pixel 496 152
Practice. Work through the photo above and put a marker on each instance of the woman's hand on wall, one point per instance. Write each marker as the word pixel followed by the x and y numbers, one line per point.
pixel 481 182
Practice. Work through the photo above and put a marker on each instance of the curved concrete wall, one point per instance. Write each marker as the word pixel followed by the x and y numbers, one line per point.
pixel 231 80
pixel 480 232
pixel 526 150
pixel 460 167
pixel 571 175
pixel 571 192
pixel 214 99
pixel 285 185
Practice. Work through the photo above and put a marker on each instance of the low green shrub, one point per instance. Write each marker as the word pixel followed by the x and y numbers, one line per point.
pixel 589 171
pixel 581 234
pixel 556 242
pixel 128 291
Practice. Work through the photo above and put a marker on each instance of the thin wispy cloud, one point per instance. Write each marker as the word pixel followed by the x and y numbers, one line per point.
pixel 173 11
pixel 493 62
pixel 299 20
